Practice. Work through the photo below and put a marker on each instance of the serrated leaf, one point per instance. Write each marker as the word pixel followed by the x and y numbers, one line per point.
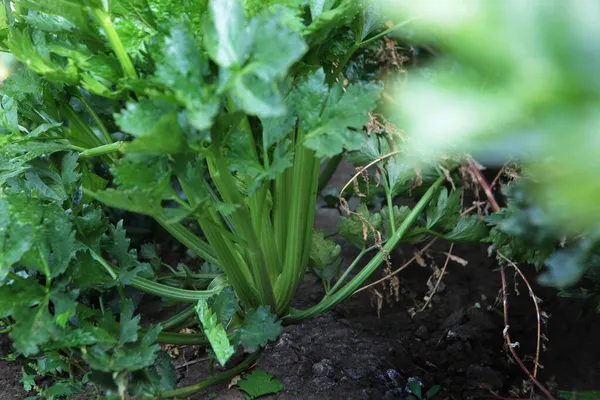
pixel 166 374
pixel 20 218
pixel 400 214
pixel 323 251
pixel 129 324
pixel 277 128
pixel 8 115
pixel 259 383
pixel 360 226
pixel 445 212
pixel 225 305
pixel 215 332
pixel 344 116
pixel 229 37
pixel 243 158
pixel 276 47
pixel 155 126
pixel 185 71
pixel 21 294
pixel 259 327
pixel 468 229
pixel 33 327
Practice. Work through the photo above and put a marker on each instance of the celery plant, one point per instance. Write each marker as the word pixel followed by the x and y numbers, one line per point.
pixel 213 120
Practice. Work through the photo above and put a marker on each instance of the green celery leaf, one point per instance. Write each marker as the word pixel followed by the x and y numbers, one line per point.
pixel 224 306
pixel 468 229
pixel 400 214
pixel 130 357
pixel 358 228
pixel 129 325
pixel 134 35
pixel 21 294
pixel 163 374
pixel 401 175
pixel 61 238
pixel 276 47
pixel 64 303
pixel 325 20
pixel 445 213
pixel 91 225
pixel 154 124
pixel 215 332
pixel 49 22
pixel 259 383
pixel 33 327
pixel 323 252
pixel 229 37
pixel 258 97
pixel 342 119
pixel 276 129
pixel 185 71
pixel 8 115
pixel 128 200
pixel 259 327
pixel 243 158
pixel 19 225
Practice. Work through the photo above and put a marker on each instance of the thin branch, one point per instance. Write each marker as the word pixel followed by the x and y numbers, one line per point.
pixel 409 262
pixel 391 274
pixel 363 169
pixel 437 284
pixel 537 311
pixel 511 346
pixel 484 185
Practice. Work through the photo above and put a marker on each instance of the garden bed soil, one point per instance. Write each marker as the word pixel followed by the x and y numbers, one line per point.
pixel 354 353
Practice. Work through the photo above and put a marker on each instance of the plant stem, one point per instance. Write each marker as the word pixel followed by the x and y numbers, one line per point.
pixel 390 204
pixel 96 119
pixel 328 171
pixel 115 41
pixel 342 64
pixel 189 390
pixel 181 338
pixel 349 269
pixel 178 318
pixel 189 240
pixel 116 147
pixel 390 30
pixel 329 302
pixel 157 289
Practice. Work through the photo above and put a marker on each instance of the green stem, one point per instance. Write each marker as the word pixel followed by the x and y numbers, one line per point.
pixel 168 292
pixel 181 338
pixel 329 302
pixel 390 204
pixel 179 318
pixel 328 171
pixel 115 41
pixel 393 28
pixel 189 240
pixel 348 270
pixel 342 64
pixel 189 276
pixel 116 147
pixel 96 119
pixel 157 289
pixel 223 376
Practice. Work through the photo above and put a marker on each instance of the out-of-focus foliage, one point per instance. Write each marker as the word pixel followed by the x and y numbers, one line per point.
pixel 515 79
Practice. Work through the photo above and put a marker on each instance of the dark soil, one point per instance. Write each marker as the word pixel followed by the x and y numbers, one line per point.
pixel 457 343
pixel 354 353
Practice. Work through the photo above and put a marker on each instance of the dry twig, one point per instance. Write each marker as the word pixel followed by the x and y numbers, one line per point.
pixel 439 280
